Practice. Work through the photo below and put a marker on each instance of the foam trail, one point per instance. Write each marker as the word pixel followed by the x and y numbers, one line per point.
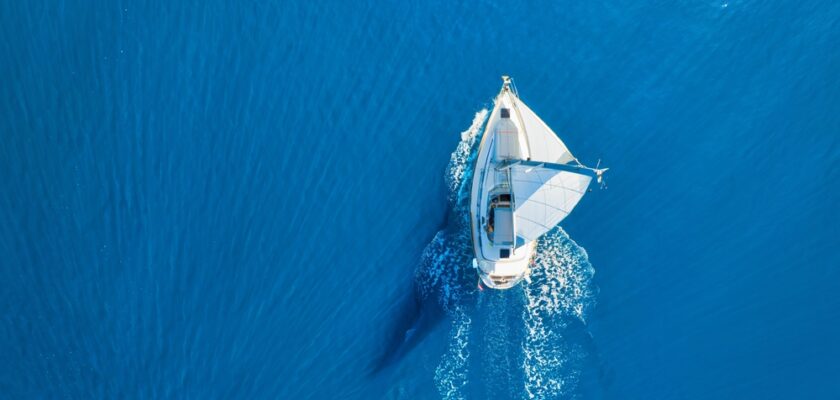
pixel 446 262
pixel 559 289
pixel 451 373
pixel 458 173
pixel 443 274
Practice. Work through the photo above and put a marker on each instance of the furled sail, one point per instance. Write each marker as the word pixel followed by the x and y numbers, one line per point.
pixel 543 196
pixel 543 144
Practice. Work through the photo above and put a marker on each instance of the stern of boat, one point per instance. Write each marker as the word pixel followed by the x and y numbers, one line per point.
pixel 504 274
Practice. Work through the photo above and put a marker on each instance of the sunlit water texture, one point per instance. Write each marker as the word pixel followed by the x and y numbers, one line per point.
pixel 233 199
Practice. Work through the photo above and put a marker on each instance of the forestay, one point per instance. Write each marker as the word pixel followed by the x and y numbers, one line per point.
pixel 544 197
pixel 543 144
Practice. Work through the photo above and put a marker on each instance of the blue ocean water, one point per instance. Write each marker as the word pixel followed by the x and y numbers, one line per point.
pixel 264 200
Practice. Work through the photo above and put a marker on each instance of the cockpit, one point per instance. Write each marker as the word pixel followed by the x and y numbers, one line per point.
pixel 499 225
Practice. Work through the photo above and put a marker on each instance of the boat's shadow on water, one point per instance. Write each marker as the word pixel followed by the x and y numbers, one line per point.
pixel 442 282
pixel 417 317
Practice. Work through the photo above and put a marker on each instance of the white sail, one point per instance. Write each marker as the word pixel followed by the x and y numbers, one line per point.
pixel 543 144
pixel 543 197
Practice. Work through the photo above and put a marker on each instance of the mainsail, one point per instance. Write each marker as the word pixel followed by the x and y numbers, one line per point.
pixel 544 145
pixel 543 196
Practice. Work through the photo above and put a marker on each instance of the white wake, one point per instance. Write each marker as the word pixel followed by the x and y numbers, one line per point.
pixel 559 290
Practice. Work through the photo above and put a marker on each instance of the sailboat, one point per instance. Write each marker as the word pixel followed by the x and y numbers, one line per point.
pixel 525 182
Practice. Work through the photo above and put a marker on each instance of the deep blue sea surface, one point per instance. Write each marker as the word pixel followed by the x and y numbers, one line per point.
pixel 236 199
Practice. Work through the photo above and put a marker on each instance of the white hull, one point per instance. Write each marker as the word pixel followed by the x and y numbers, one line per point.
pixel 495 272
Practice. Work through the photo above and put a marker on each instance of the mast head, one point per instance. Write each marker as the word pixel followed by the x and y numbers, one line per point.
pixel 508 86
